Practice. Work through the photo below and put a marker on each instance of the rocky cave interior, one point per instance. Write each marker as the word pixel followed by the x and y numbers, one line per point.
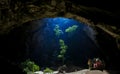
pixel 17 15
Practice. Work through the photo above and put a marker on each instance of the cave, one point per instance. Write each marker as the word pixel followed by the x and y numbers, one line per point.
pixel 38 40
pixel 33 30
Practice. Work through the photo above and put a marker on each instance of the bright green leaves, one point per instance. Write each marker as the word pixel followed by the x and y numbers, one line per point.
pixel 30 66
pixel 71 29
pixel 63 50
pixel 57 30
pixel 63 46
pixel 35 68
pixel 60 56
pixel 48 70
pixel 61 42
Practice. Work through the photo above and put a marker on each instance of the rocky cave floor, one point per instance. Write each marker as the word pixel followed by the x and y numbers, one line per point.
pixel 77 70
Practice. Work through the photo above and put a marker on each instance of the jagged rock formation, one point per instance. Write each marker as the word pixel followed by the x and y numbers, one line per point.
pixel 13 13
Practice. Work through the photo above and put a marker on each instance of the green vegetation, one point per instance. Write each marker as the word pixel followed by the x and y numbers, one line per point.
pixel 63 48
pixel 57 31
pixel 71 29
pixel 48 70
pixel 30 66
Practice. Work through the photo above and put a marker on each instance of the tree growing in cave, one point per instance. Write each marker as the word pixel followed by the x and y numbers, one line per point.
pixel 63 48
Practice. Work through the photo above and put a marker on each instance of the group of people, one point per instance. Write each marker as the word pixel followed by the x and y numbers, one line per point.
pixel 96 64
